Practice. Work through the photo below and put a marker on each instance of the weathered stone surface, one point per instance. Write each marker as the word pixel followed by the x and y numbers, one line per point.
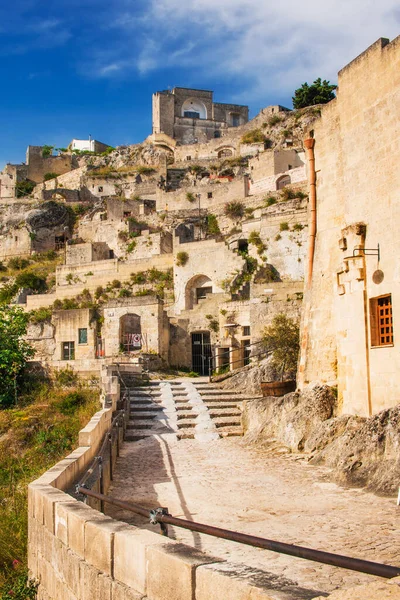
pixel 289 419
pixel 50 214
pixel 372 591
pixel 249 379
pixel 362 451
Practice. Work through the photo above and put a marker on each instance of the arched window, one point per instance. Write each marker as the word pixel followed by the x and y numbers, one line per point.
pixel 225 152
pixel 282 182
pixel 130 332
pixel 194 109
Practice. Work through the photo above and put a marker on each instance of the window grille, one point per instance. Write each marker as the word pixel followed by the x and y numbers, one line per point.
pixel 82 336
pixel 68 350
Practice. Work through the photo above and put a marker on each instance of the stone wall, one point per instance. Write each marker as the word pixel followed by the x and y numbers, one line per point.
pixel 356 150
pixel 76 552
pixel 211 193
pixel 270 183
pixel 38 165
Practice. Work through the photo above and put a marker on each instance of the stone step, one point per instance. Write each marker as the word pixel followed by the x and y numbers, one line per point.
pixel 223 405
pixel 228 412
pixel 185 434
pixel 205 393
pixel 142 425
pixel 147 407
pixel 136 401
pixel 186 414
pixel 183 406
pixel 226 422
pixel 227 399
pixel 230 431
pixel 142 415
pixel 135 437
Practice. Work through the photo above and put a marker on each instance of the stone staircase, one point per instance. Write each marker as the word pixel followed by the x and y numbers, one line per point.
pixel 189 408
pixel 147 414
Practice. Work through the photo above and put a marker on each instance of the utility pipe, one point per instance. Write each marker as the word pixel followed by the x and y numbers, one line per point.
pixel 309 145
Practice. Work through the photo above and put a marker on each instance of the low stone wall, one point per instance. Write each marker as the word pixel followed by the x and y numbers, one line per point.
pixel 77 553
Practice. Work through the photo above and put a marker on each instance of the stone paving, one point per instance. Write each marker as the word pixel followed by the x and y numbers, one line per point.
pixel 224 483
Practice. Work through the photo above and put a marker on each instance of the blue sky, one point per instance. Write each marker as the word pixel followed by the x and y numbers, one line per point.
pixel 70 68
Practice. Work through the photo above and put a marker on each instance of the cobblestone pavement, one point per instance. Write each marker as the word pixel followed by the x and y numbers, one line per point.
pixel 226 484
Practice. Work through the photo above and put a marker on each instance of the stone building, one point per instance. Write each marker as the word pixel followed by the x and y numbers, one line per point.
pixel 351 326
pixel 190 116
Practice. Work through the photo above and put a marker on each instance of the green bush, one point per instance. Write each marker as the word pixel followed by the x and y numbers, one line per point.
pixel 254 136
pixel 66 377
pixel 71 403
pixel 131 246
pixel 40 315
pixel 29 280
pixel 48 176
pixel 190 197
pixel 284 226
pixel 288 194
pixel 234 209
pixel 212 225
pixel 124 293
pixel 47 151
pixel 270 201
pixel 24 188
pixel 138 278
pixel 17 263
pixel 181 259
pixel 282 338
pixel 274 120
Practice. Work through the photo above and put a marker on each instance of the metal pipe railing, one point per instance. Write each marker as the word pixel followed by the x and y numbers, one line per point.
pixel 161 516
pixel 212 360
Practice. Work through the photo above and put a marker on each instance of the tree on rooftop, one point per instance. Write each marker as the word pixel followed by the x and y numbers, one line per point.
pixel 320 92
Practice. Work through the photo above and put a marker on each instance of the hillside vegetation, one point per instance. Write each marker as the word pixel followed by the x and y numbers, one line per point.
pixel 42 429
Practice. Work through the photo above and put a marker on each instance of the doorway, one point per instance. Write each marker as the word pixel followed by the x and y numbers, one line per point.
pixel 201 352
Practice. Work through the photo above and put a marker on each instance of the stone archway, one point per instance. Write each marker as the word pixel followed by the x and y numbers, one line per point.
pixel 194 109
pixel 282 182
pixel 197 288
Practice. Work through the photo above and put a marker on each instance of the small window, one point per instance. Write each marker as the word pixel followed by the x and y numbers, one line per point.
pixel 217 134
pixel 201 293
pixel 191 114
pixel 289 167
pixel 68 351
pixel 100 188
pixel 188 158
pixel 82 336
pixel 381 320
pixel 246 330
pixel 209 194
pixel 16 238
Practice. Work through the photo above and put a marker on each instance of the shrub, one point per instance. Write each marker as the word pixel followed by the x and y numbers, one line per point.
pixel 274 120
pixel 284 226
pixel 48 176
pixel 98 292
pixel 131 246
pixel 71 403
pixel 282 338
pixel 124 293
pixel 144 292
pixel 190 197
pixel 40 315
pixel 319 92
pixel 288 194
pixel 234 209
pixel 143 170
pixel 254 136
pixel 270 201
pixel 47 151
pixel 115 284
pixel 301 195
pixel 31 281
pixel 24 188
pixel 277 237
pixel 181 259
pixel 298 227
pixel 123 236
pixel 17 263
pixel 66 377
pixel 212 225
pixel 138 278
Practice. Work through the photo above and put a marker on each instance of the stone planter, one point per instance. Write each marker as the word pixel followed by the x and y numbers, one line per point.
pixel 277 388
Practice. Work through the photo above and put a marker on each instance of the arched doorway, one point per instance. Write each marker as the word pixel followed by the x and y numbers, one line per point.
pixel 225 152
pixel 130 332
pixel 282 182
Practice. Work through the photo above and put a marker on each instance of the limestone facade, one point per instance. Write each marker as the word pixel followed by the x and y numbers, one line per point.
pixel 190 115
pixel 352 315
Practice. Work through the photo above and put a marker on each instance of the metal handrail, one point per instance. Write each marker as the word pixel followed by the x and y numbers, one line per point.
pixel 163 518
pixel 227 352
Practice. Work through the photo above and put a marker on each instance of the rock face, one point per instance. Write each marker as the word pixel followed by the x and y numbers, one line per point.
pixel 249 380
pixel 361 451
pixel 50 214
pixel 290 419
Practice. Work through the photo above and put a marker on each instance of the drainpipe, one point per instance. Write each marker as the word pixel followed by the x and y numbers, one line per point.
pixel 301 371
pixel 309 145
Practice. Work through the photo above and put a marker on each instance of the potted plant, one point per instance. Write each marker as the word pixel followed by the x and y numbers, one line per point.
pixel 282 339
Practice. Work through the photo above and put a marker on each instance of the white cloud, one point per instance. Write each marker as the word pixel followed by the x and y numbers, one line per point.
pixel 273 45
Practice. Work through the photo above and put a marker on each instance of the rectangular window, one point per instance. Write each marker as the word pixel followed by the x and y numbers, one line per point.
pixel 201 293
pixel 100 188
pixel 68 351
pixel 82 336
pixel 191 114
pixel 209 194
pixel 381 320
pixel 246 330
